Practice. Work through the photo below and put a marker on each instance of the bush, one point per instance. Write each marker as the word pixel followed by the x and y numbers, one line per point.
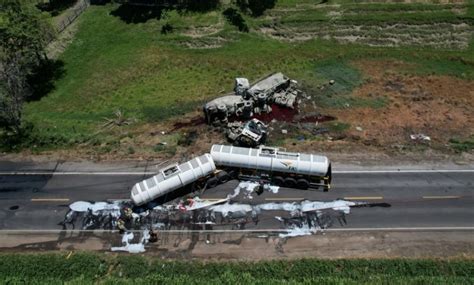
pixel 256 7
pixel 166 29
pixel 234 17
pixel 462 145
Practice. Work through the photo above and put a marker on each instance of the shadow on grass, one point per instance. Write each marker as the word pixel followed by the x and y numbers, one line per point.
pixel 100 2
pixel 42 79
pixel 137 14
pixel 55 7
pixel 140 11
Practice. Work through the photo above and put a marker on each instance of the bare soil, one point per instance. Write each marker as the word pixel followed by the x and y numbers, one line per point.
pixel 237 246
pixel 437 35
pixel 203 31
pixel 440 107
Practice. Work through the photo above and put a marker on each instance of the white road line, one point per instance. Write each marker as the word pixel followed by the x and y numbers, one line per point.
pixel 49 200
pixel 414 229
pixel 441 197
pixel 364 198
pixel 46 173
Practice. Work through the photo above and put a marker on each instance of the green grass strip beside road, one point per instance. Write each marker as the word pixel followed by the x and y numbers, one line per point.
pixel 134 269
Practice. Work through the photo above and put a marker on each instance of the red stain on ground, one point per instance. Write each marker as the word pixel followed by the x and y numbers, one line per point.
pixel 196 121
pixel 278 113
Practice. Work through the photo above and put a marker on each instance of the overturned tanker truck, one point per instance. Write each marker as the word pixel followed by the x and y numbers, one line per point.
pixel 225 162
pixel 247 100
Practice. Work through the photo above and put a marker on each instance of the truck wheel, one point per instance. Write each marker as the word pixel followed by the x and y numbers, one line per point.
pixel 290 182
pixel 223 177
pixel 277 181
pixel 234 174
pixel 212 182
pixel 302 184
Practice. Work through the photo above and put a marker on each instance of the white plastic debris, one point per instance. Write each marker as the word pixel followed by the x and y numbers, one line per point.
pixel 133 247
pixel 359 129
pixel 227 208
pixel 284 131
pixel 305 230
pixel 420 137
pixel 104 207
pixel 271 188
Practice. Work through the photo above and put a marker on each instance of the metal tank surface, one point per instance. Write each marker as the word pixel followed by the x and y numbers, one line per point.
pixel 271 159
pixel 171 178
pixel 246 100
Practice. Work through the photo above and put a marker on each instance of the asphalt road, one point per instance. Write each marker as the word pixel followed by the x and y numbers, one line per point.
pixel 417 198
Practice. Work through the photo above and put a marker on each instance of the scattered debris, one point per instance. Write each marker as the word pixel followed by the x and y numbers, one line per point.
pixel 249 134
pixel 133 247
pixel 359 129
pixel 420 137
pixel 118 120
pixel 284 131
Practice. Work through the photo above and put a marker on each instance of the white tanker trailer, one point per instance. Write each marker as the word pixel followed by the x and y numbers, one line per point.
pixel 171 178
pixel 281 168
pixel 289 169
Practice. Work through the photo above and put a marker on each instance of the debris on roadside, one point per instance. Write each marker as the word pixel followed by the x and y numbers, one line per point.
pixel 297 218
pixel 420 137
pixel 133 247
pixel 249 134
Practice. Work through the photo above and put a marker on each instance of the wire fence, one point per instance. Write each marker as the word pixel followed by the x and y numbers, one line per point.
pixel 72 15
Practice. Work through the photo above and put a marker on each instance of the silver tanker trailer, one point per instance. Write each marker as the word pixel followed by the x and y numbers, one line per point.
pixel 263 164
pixel 171 178
pixel 281 168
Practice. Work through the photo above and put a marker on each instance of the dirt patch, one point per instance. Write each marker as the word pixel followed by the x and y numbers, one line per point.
pixel 208 42
pixel 64 39
pixel 332 245
pixel 437 35
pixel 203 31
pixel 438 106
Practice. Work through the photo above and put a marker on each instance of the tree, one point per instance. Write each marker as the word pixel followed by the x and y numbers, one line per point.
pixel 24 34
pixel 256 7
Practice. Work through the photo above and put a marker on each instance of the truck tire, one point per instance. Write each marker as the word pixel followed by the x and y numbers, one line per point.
pixel 212 182
pixel 302 184
pixel 289 182
pixel 278 181
pixel 223 177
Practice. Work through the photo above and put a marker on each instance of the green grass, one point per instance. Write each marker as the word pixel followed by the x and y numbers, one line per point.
pixel 112 65
pixel 125 269
pixel 462 145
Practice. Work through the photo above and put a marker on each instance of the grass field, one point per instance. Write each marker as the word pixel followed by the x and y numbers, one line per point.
pixel 120 60
pixel 80 268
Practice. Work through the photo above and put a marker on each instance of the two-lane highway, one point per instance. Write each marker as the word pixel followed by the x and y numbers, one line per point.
pixel 418 198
